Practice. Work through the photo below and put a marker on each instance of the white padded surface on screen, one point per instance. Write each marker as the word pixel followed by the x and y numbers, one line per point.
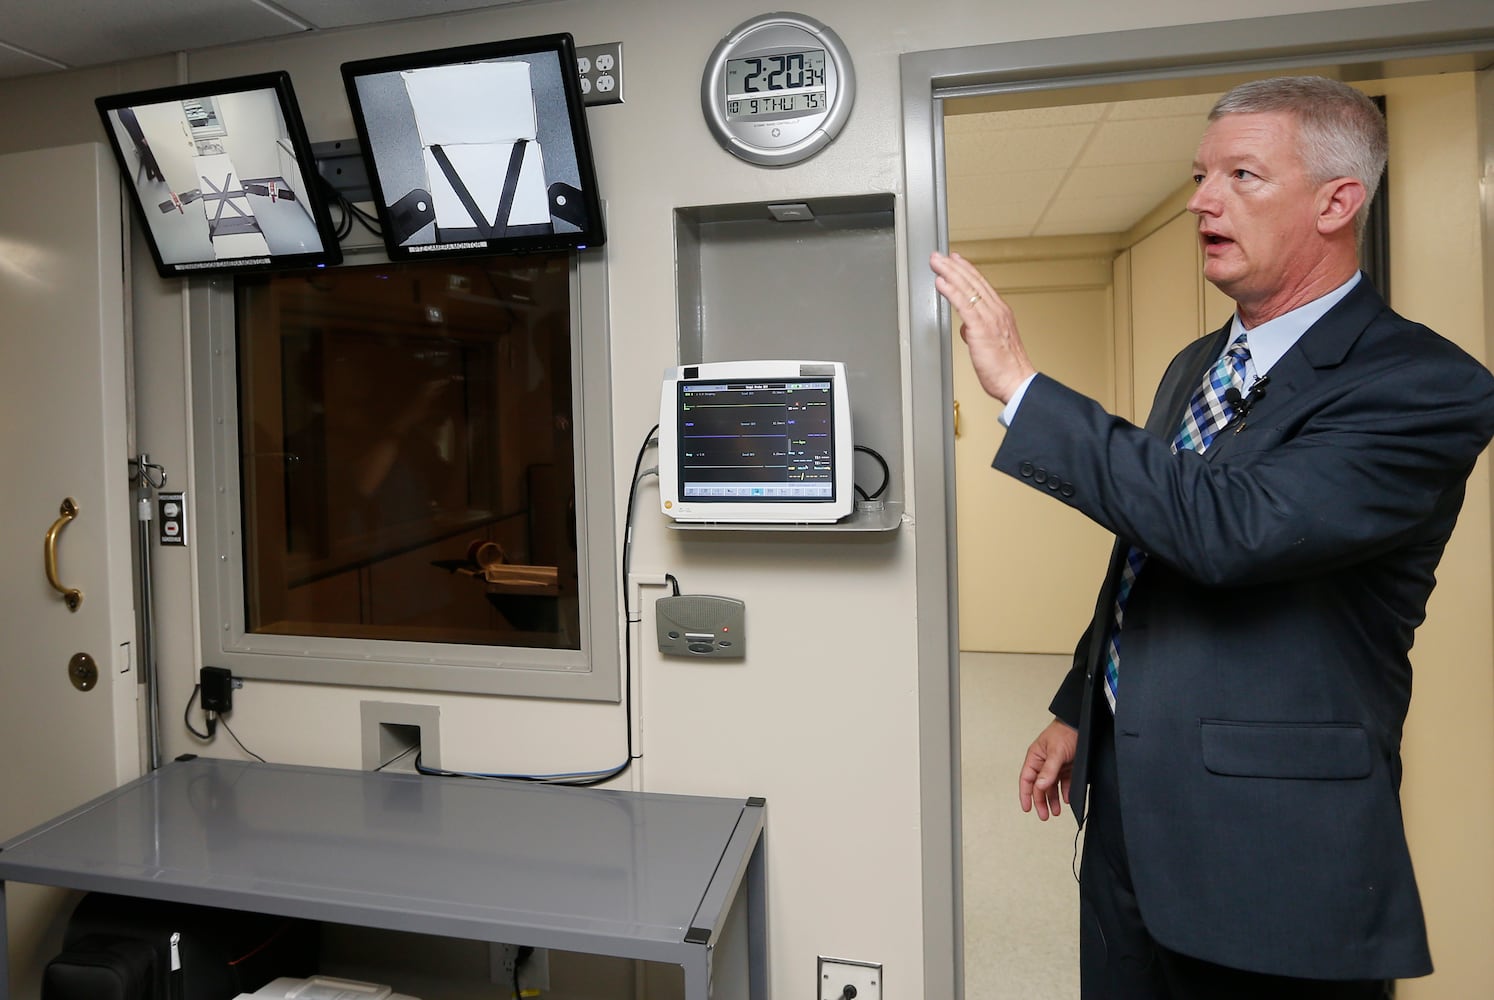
pixel 472 103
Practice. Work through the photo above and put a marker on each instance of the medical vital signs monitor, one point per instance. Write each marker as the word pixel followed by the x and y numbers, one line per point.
pixel 756 442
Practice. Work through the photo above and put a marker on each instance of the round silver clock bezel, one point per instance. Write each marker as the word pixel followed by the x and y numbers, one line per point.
pixel 738 138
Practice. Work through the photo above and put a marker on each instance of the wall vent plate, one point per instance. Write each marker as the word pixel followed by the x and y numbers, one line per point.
pixel 701 625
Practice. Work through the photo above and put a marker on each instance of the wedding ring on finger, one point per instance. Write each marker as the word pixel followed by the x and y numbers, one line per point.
pixel 975 298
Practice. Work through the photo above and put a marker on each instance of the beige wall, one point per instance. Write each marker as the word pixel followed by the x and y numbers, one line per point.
pixel 822 721
pixel 1065 306
pixel 1437 272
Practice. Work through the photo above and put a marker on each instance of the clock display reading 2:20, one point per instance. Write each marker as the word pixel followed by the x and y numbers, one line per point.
pixel 781 83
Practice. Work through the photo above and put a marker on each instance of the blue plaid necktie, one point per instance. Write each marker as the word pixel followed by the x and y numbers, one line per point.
pixel 1208 413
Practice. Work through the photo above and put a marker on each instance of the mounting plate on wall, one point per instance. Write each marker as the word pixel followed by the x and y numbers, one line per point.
pixel 777 89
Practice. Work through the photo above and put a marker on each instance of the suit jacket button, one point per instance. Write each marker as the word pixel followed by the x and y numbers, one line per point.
pixel 1040 476
pixel 1055 484
pixel 1026 470
pixel 1066 490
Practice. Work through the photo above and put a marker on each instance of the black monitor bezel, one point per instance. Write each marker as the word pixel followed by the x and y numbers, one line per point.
pixel 277 81
pixel 562 47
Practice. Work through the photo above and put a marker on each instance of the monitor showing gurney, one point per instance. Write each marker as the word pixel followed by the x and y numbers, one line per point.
pixel 222 175
pixel 478 150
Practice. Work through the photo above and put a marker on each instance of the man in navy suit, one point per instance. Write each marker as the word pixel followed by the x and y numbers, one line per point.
pixel 1234 711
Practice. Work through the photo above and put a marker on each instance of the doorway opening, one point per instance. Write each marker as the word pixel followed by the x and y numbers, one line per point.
pixel 1038 103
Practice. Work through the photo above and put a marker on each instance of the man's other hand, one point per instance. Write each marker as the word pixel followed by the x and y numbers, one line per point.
pixel 1046 772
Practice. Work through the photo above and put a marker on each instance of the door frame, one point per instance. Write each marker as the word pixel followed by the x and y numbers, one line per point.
pixel 1365 42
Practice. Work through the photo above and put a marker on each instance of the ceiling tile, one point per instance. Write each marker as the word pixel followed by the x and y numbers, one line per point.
pixel 999 207
pixel 998 121
pixel 119 31
pixel 1075 216
pixel 341 13
pixel 1033 188
pixel 1145 184
pixel 1195 105
pixel 1148 140
pixel 991 152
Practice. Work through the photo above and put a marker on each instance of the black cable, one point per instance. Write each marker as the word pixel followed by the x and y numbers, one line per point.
pixel 521 955
pixel 403 753
pixel 1074 863
pixel 187 717
pixel 581 779
pixel 369 222
pixel 241 742
pixel 212 727
pixel 344 224
pixel 571 778
pixel 627 562
pixel 886 474
pixel 673 583
pixel 350 212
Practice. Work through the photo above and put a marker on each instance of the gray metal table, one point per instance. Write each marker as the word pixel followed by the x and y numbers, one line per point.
pixel 635 875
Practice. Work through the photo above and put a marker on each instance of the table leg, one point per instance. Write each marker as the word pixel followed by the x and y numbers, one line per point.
pixel 697 976
pixel 757 923
pixel 4 948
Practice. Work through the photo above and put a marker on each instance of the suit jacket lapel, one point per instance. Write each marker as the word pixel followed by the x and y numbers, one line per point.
pixel 1325 344
pixel 1165 419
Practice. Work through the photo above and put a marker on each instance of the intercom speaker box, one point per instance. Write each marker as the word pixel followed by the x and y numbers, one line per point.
pixel 702 625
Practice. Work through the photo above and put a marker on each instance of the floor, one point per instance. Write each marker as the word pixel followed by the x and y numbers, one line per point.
pixel 1021 899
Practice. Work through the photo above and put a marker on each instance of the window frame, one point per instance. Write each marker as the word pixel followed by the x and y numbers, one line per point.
pixel 589 673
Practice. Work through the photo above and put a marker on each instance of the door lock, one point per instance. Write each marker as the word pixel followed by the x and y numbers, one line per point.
pixel 83 672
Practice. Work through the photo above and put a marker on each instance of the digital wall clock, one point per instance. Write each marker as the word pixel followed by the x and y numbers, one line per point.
pixel 777 89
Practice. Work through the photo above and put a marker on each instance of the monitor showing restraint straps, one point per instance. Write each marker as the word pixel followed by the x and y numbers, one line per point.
pixel 477 150
pixel 222 175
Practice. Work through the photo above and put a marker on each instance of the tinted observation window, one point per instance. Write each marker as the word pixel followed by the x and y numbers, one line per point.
pixel 406 450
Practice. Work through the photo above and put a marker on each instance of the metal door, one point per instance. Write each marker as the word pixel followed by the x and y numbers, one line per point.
pixel 68 715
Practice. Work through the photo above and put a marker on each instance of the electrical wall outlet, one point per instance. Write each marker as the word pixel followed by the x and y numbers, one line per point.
pixel 534 973
pixel 843 979
pixel 601 68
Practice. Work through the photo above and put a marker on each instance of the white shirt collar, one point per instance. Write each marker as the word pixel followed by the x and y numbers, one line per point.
pixel 1273 338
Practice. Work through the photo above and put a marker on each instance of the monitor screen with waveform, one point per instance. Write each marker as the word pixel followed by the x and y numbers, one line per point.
pixel 756 441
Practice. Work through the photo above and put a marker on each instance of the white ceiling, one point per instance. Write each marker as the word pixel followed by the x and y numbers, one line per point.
pixel 1094 168
pixel 38 36
pixel 1062 171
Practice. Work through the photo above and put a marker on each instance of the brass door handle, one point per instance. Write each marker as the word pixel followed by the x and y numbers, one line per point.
pixel 957 418
pixel 71 596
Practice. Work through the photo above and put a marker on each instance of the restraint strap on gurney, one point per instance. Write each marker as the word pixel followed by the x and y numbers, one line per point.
pixel 499 226
pixel 244 221
pixel 261 188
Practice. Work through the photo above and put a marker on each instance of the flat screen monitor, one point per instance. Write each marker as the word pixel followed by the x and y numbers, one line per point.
pixel 222 175
pixel 477 150
pixel 756 442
